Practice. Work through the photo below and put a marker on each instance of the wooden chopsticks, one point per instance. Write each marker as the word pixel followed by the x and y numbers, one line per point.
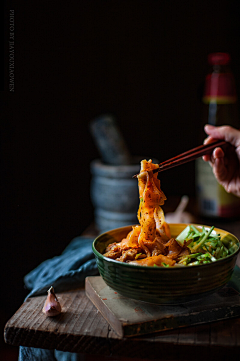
pixel 188 156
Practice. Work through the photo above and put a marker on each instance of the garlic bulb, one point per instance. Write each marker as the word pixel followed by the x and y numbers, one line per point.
pixel 52 306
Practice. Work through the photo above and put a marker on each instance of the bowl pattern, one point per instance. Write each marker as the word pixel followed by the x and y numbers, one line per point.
pixel 163 285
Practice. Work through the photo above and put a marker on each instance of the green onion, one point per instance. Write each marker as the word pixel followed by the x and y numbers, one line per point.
pixel 206 246
pixel 203 240
pixel 165 265
pixel 195 230
pixel 183 236
pixel 194 263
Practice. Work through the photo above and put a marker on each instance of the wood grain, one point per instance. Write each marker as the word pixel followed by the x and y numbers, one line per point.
pixel 82 329
pixel 131 318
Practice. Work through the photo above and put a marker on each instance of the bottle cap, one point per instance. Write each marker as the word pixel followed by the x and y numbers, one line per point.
pixel 219 58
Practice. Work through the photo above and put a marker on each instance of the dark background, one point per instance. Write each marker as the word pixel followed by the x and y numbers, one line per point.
pixel 142 61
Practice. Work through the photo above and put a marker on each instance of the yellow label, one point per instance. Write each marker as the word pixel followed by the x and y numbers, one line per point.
pixel 220 99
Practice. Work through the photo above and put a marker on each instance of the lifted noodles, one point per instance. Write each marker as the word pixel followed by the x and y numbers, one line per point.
pixel 151 244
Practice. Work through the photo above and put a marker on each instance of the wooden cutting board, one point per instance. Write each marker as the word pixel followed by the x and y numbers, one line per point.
pixel 132 318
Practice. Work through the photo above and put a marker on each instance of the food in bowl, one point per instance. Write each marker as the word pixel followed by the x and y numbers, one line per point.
pixel 164 285
pixel 164 263
pixel 150 243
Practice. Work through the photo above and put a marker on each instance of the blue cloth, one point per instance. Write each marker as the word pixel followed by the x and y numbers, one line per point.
pixel 64 272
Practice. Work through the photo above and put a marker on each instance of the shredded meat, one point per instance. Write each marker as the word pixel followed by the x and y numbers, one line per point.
pixel 113 254
pixel 128 255
pixel 174 249
pixel 112 247
pixel 185 252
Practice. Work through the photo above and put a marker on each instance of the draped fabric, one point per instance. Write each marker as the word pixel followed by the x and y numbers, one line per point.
pixel 64 272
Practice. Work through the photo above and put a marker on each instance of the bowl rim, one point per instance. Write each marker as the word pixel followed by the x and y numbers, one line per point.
pixel 176 268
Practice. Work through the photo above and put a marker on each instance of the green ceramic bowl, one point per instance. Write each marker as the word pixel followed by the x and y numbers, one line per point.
pixel 163 285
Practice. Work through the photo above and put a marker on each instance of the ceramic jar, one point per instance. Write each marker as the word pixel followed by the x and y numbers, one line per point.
pixel 114 194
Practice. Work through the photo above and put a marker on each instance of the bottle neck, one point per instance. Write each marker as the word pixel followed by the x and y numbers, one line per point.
pixel 217 68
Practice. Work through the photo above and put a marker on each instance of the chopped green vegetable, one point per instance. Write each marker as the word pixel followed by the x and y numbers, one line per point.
pixel 195 230
pixel 233 248
pixel 181 238
pixel 194 263
pixel 165 265
pixel 202 240
pixel 205 246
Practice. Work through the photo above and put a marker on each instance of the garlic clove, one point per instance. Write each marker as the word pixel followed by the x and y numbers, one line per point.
pixel 51 306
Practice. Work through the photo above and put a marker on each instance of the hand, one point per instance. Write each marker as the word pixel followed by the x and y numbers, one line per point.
pixel 225 163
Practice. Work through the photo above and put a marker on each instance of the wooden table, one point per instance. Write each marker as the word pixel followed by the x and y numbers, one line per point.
pixel 82 329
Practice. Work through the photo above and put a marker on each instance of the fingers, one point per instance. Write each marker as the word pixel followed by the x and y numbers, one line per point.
pixel 219 169
pixel 217 153
pixel 216 160
pixel 208 141
pixel 207 158
pixel 225 132
pixel 225 163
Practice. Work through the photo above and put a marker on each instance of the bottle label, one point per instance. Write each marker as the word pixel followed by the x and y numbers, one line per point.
pixel 213 200
pixel 220 88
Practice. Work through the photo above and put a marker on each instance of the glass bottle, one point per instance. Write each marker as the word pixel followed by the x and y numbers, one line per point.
pixel 219 108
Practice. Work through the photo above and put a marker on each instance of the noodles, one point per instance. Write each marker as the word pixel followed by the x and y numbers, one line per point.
pixel 147 243
pixel 150 242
